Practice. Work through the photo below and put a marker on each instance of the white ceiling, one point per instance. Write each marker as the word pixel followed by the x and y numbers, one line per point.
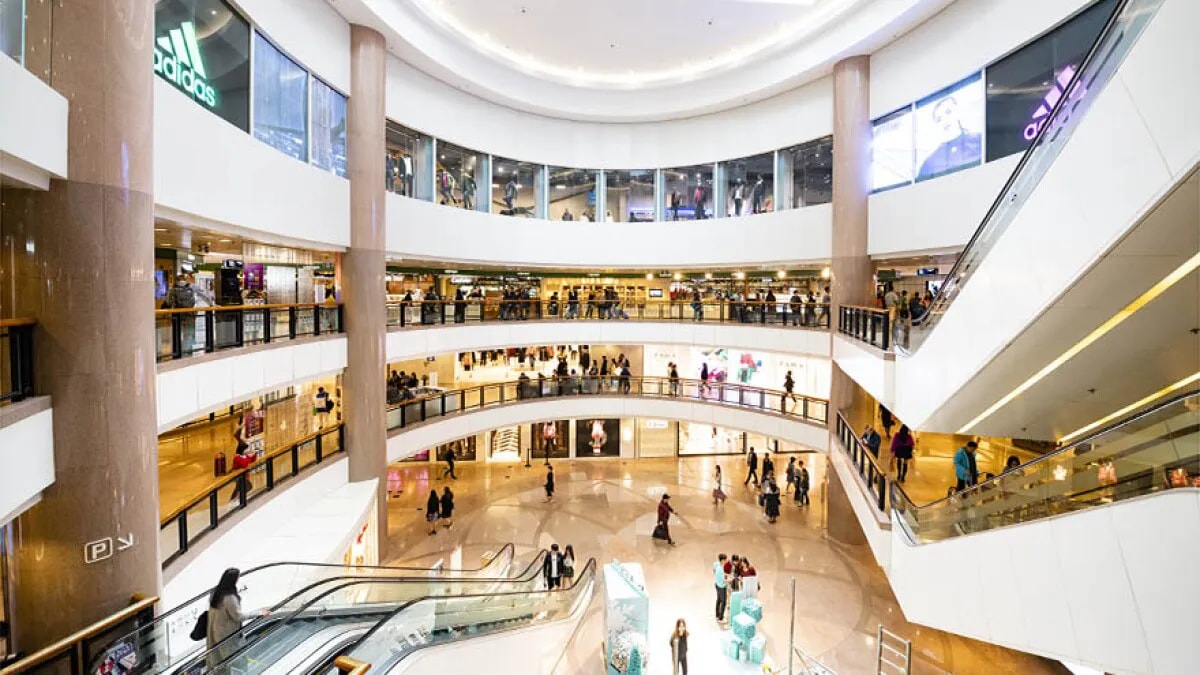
pixel 632 60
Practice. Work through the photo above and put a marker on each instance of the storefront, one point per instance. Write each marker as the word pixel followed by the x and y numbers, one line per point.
pixel 754 368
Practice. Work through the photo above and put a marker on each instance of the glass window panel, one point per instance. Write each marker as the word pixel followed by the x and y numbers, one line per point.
pixel 1022 87
pixel 572 193
pixel 329 128
pixel 749 185
pixel 280 100
pixel 12 29
pixel 892 149
pixel 406 165
pixel 688 192
pixel 459 174
pixel 948 128
pixel 811 167
pixel 629 195
pixel 202 47
pixel 514 187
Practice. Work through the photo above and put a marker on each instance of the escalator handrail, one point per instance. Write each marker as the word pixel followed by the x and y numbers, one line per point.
pixel 939 300
pixel 167 615
pixel 898 490
pixel 530 571
pixel 587 576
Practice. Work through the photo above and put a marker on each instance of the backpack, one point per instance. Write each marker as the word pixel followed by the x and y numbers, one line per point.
pixel 200 628
pixel 182 297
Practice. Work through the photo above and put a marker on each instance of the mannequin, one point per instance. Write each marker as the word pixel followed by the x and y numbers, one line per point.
pixel 757 194
pixel 404 168
pixel 675 199
pixel 739 194
pixel 700 196
pixel 446 187
pixel 389 172
pixel 599 438
pixel 510 193
pixel 467 182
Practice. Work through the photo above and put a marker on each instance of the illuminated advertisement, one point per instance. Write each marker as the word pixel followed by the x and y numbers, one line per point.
pixel 892 149
pixel 948 129
pixel 202 47
pixel 597 438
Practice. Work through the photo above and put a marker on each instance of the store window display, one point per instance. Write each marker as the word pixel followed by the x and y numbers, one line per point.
pixel 629 195
pixel 280 100
pixel 688 192
pixel 407 167
pixel 573 194
pixel 458 175
pixel 517 188
pixel 551 439
pixel 806 174
pixel 328 128
pixel 597 438
pixel 749 185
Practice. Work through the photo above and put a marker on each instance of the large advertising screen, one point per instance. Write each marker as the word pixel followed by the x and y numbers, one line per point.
pixel 202 47
pixel 892 149
pixel 948 128
pixel 1023 87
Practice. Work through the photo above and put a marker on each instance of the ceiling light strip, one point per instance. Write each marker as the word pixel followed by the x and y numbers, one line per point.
pixel 1132 407
pixel 1115 320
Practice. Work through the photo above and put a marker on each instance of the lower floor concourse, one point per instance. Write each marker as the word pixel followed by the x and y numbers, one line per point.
pixel 605 509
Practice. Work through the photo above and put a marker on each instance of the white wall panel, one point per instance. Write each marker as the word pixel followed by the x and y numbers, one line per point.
pixel 429 105
pixel 410 441
pixel 310 31
pixel 209 173
pixel 958 41
pixel 189 390
pixel 872 369
pixel 413 343
pixel 26 461
pixel 935 215
pixel 424 230
pixel 33 128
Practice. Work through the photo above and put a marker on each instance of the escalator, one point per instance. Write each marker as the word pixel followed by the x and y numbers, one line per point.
pixel 333 615
pixel 163 644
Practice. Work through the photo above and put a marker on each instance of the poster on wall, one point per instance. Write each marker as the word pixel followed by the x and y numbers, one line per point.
pixel 949 129
pixel 597 438
pixel 202 47
pixel 892 149
pixel 1023 87
pixel 551 438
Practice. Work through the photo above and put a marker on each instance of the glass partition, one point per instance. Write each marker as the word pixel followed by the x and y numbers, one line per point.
pixel 572 193
pixel 328 128
pixel 749 185
pixel 806 174
pixel 280 100
pixel 12 29
pixel 459 172
pixel 688 192
pixel 892 149
pixel 515 187
pixel 629 195
pixel 408 168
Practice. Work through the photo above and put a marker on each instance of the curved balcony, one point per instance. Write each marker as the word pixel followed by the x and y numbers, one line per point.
pixel 428 421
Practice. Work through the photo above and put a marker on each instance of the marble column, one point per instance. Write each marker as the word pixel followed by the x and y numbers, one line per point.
pixel 851 276
pixel 82 256
pixel 363 267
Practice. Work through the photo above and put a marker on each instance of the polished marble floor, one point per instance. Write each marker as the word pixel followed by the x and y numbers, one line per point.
pixel 605 508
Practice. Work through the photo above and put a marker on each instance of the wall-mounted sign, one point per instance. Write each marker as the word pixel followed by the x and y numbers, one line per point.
pixel 202 47
pixel 103 549
pixel 177 59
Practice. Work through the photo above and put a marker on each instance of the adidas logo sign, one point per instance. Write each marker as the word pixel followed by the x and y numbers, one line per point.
pixel 177 59
pixel 1057 90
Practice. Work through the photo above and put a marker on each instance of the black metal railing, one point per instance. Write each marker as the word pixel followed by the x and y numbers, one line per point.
pixel 439 311
pixel 202 514
pixel 16 374
pixel 867 324
pixel 186 332
pixel 864 462
pixel 456 401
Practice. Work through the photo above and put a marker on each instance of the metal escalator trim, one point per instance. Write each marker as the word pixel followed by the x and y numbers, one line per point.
pixel 302 613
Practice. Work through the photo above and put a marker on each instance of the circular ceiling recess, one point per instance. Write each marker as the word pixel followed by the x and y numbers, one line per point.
pixel 632 60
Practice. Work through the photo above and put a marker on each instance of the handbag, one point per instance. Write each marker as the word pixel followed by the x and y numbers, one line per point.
pixel 200 629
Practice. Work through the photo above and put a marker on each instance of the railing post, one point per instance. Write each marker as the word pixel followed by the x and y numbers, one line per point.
pixel 266 325
pixel 887 331
pixel 214 501
pixel 270 475
pixel 181 526
pixel 243 488
pixel 442 403
pixel 292 322
pixel 318 445
pixel 295 453
pixel 316 320
pixel 239 328
pixel 341 319
pixel 20 352
pixel 177 336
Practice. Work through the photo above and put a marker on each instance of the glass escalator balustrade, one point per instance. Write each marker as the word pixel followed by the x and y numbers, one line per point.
pixel 1105 57
pixel 1156 450
pixel 164 643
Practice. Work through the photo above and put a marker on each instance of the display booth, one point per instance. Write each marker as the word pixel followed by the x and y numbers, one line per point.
pixel 626 619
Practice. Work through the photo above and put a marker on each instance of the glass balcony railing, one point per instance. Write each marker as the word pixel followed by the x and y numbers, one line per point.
pixel 16 371
pixel 1102 61
pixel 182 333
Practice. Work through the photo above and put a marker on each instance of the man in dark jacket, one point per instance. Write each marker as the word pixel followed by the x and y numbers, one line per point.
pixel 552 568
pixel 752 461
pixel 664 515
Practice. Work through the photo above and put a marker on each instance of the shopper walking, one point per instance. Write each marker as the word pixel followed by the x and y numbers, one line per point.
pixel 625 379
pixel 886 420
pixel 790 474
pixel 802 483
pixel 224 619
pixel 902 451
pixel 789 386
pixel 796 306
pixel 965 469
pixel 704 380
pixel 872 440
pixel 447 508
pixel 718 492
pixel 552 568
pixel 549 483
pixel 450 459
pixel 433 509
pixel 679 640
pixel 722 585
pixel 771 501
pixel 697 305
pixel 752 471
pixel 674 377
pixel 663 529
pixel 768 467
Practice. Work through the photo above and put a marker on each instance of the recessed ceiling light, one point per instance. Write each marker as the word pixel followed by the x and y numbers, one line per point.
pixel 160 229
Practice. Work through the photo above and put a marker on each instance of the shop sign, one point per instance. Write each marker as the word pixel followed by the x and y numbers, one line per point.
pixel 178 60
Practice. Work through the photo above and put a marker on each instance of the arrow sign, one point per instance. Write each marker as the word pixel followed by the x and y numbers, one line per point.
pixel 125 543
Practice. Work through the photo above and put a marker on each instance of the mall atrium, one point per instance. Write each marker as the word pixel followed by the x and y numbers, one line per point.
pixel 621 337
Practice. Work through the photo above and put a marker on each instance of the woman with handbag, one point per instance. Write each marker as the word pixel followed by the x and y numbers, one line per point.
pixel 224 619
pixel 568 562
